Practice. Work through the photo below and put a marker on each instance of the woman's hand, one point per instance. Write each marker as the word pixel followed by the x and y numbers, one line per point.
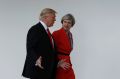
pixel 63 64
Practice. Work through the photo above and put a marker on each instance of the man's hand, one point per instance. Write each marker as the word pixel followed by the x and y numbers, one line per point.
pixel 38 62
pixel 63 64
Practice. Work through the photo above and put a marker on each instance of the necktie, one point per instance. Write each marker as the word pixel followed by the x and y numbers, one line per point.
pixel 50 36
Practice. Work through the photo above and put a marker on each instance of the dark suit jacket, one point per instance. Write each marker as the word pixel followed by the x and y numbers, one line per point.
pixel 38 44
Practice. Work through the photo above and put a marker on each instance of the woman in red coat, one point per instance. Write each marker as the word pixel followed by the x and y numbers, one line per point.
pixel 64 45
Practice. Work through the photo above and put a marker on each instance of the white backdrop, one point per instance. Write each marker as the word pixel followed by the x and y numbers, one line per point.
pixel 96 53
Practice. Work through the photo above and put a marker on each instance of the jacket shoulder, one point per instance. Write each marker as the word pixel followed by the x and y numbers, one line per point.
pixel 57 32
pixel 36 28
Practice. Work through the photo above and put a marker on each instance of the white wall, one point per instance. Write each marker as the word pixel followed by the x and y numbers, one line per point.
pixel 96 53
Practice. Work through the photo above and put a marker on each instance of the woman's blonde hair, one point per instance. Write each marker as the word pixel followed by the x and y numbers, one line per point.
pixel 46 11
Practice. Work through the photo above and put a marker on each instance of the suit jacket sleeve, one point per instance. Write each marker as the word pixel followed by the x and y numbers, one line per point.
pixel 32 40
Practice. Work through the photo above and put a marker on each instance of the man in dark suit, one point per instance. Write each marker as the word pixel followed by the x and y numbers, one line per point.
pixel 41 57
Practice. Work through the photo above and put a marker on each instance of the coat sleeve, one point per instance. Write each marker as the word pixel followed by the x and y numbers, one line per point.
pixel 32 40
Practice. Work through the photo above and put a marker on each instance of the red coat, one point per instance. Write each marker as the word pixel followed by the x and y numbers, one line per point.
pixel 64 48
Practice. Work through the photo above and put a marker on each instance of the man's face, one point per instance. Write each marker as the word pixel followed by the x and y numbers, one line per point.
pixel 51 19
pixel 67 24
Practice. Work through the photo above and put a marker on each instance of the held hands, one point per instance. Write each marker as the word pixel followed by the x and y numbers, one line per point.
pixel 38 62
pixel 63 64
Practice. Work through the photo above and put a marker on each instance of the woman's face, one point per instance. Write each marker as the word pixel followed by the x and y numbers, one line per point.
pixel 67 24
